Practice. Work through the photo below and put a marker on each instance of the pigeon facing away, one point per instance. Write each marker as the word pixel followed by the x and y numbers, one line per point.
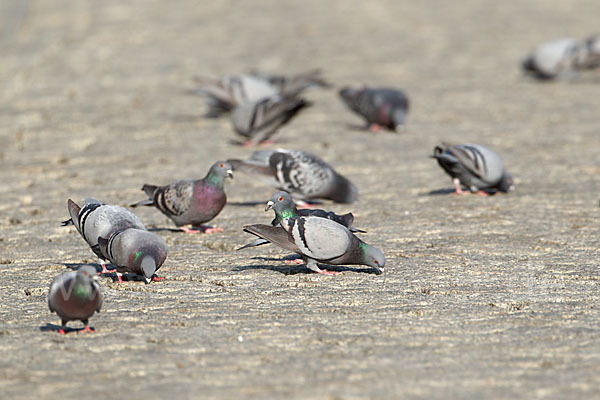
pixel 283 205
pixel 259 120
pixel 135 250
pixel 97 220
pixel 474 166
pixel 562 57
pixel 379 107
pixel 75 295
pixel 191 202
pixel 320 240
pixel 303 175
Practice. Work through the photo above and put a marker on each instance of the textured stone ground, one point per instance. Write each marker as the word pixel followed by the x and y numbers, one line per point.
pixel 482 297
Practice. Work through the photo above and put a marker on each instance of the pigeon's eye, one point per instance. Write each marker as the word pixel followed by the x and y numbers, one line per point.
pixel 376 262
pixel 221 165
pixel 280 199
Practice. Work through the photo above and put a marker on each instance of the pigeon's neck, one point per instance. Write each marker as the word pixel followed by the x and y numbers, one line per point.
pixel 289 213
pixel 363 247
pixel 81 289
pixel 214 179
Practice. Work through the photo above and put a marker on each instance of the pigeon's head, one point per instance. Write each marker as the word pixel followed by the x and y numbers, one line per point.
pixel 282 203
pixel 221 170
pixel 373 257
pixel 507 184
pixel 87 272
pixel 349 96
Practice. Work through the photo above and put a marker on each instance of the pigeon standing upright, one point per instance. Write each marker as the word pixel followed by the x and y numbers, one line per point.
pixel 474 166
pixel 320 240
pixel 302 174
pixel 379 107
pixel 75 295
pixel 96 220
pixel 191 202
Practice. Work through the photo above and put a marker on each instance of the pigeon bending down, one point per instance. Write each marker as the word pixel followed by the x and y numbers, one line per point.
pixel 562 57
pixel 191 202
pixel 259 120
pixel 75 295
pixel 137 251
pixel 318 239
pixel 95 220
pixel 283 205
pixel 379 107
pixel 303 175
pixel 474 166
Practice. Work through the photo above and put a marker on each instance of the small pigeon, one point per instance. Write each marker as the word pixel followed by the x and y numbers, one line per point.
pixel 380 107
pixel 191 202
pixel 259 120
pixel 97 220
pixel 320 240
pixel 474 166
pixel 562 57
pixel 283 205
pixel 303 175
pixel 75 295
pixel 135 250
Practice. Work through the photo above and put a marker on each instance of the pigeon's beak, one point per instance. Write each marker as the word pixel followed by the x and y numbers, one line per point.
pixel 230 173
pixel 269 205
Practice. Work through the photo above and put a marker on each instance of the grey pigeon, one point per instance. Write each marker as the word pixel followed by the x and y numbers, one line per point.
pixel 137 251
pixel 283 205
pixel 320 240
pixel 97 220
pixel 474 166
pixel 302 174
pixel 562 57
pixel 379 107
pixel 259 120
pixel 191 202
pixel 75 295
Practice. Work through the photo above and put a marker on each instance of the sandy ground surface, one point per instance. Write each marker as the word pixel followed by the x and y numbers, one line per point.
pixel 482 297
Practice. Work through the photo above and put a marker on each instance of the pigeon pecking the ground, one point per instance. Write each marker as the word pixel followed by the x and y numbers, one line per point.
pixel 97 220
pixel 562 57
pixel 318 239
pixel 379 107
pixel 75 295
pixel 304 175
pixel 284 207
pixel 191 202
pixel 476 167
pixel 135 250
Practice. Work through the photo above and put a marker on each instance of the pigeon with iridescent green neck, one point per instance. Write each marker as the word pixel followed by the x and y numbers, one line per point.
pixel 75 295
pixel 191 202
pixel 320 240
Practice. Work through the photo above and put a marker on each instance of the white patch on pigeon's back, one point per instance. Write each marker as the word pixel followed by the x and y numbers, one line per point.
pixel 320 238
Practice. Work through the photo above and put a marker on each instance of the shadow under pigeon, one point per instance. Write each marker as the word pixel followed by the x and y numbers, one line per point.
pixel 55 328
pixel 76 266
pixel 112 272
pixel 439 192
pixel 293 269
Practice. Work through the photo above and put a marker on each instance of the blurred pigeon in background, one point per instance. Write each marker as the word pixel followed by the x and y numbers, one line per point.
pixel 379 107
pixel 191 202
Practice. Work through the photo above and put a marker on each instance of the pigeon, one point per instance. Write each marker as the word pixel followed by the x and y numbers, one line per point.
pixel 190 202
pixel 303 175
pixel 135 250
pixel 474 166
pixel 380 107
pixel 259 120
pixel 75 295
pixel 283 205
pixel 97 220
pixel 562 57
pixel 318 239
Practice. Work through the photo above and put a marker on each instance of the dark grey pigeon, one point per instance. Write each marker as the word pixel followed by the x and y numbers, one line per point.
pixel 75 295
pixel 379 107
pixel 283 205
pixel 320 240
pixel 260 120
pixel 474 166
pixel 137 251
pixel 191 202
pixel 302 174
pixel 97 220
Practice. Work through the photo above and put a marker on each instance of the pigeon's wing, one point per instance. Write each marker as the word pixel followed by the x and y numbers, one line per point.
pixel 254 243
pixel 301 172
pixel 176 198
pixel 274 234
pixel 318 238
pixel 471 158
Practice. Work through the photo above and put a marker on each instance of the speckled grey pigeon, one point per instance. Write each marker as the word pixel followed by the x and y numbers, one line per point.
pixel 320 240
pixel 379 107
pixel 474 166
pixel 283 205
pixel 75 295
pixel 562 57
pixel 302 174
pixel 259 120
pixel 97 220
pixel 191 202
pixel 137 251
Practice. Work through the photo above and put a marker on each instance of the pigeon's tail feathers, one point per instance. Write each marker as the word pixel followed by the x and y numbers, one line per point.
pixel 74 210
pixel 348 221
pixel 274 234
pixel 528 64
pixel 147 202
pixel 255 243
pixel 149 190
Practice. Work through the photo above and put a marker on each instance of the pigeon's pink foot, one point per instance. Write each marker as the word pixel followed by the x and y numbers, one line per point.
pixel 325 272
pixel 104 270
pixel 482 193
pixel 460 192
pixel 374 128
pixel 248 143
pixel 294 261
pixel 268 141
pixel 119 279
pixel 86 329
pixel 457 188
pixel 209 229
pixel 189 230
pixel 61 331
pixel 157 278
